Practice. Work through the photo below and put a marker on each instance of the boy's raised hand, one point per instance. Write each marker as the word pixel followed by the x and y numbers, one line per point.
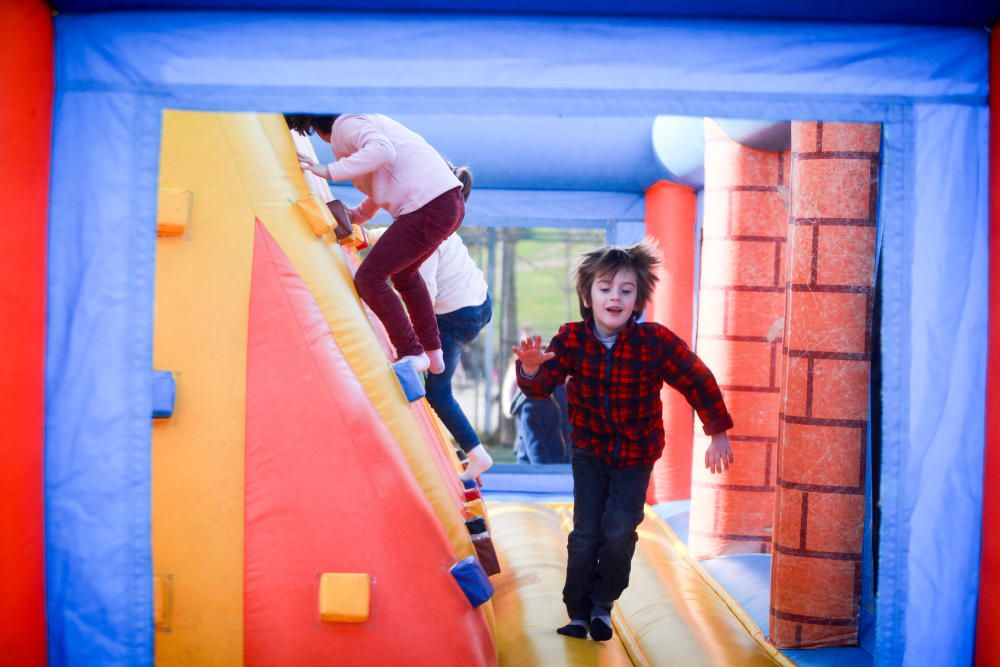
pixel 531 355
pixel 719 455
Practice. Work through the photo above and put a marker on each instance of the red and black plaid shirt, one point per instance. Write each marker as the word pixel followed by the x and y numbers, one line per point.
pixel 614 395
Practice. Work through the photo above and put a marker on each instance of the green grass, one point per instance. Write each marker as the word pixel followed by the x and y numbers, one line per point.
pixel 545 297
pixel 503 454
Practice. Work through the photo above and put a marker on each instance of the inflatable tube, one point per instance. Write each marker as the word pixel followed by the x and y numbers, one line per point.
pixel 680 143
pixel 26 63
pixel 741 306
pixel 670 615
pixel 670 219
pixel 517 152
pixel 531 546
pixel 820 499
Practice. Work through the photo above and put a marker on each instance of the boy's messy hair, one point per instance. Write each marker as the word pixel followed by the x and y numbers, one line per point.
pixel 642 257
pixel 310 123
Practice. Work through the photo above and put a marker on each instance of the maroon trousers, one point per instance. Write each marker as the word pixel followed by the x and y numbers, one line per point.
pixel 397 256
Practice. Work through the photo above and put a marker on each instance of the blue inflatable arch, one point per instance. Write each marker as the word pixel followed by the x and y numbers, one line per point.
pixel 557 115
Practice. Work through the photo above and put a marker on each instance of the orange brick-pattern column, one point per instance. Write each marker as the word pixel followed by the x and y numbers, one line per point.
pixel 742 303
pixel 671 214
pixel 820 501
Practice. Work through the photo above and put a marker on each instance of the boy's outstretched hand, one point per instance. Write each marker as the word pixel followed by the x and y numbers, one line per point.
pixel 531 355
pixel 719 455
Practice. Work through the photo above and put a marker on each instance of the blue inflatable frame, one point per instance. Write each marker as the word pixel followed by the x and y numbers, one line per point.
pixel 117 72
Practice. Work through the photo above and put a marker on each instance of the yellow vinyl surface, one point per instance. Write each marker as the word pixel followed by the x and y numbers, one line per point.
pixel 653 521
pixel 531 546
pixel 200 334
pixel 670 614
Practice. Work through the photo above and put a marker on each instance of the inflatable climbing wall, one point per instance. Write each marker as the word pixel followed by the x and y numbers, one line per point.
pixel 302 507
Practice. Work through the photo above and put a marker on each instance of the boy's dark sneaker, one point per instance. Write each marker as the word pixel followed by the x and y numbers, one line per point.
pixel 574 630
pixel 599 630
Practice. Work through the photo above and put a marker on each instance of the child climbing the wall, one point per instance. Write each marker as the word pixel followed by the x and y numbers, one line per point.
pixel 618 366
pixel 399 171
pixel 462 306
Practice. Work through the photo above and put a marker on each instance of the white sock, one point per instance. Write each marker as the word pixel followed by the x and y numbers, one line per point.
pixel 420 362
pixel 479 462
pixel 436 361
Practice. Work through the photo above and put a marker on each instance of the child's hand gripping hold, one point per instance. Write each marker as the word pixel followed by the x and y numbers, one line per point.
pixel 309 164
pixel 531 355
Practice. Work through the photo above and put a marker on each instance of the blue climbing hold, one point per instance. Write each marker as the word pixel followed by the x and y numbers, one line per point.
pixel 472 579
pixel 409 378
pixel 164 394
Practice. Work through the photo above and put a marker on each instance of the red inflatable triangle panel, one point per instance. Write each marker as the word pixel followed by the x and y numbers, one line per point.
pixel 328 490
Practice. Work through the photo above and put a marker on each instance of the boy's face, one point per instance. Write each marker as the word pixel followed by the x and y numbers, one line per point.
pixel 612 299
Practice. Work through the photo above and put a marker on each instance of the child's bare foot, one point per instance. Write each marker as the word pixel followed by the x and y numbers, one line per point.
pixel 420 361
pixel 437 361
pixel 479 462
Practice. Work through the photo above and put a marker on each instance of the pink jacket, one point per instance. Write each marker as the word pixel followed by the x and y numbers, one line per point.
pixel 395 167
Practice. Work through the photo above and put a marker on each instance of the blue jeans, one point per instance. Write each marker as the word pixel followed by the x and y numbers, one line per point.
pixel 457 328
pixel 543 429
pixel 607 508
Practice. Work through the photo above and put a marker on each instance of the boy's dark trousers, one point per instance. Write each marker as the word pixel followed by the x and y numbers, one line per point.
pixel 607 509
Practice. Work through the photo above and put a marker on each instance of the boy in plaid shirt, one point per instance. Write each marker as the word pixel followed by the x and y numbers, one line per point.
pixel 618 366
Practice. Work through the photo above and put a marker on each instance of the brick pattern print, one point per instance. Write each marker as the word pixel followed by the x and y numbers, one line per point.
pixel 740 325
pixel 820 499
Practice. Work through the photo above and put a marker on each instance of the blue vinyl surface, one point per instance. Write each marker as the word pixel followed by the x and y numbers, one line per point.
pixel 967 12
pixel 117 72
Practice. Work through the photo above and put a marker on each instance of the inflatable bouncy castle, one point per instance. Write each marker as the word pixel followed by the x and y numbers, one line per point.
pixel 212 459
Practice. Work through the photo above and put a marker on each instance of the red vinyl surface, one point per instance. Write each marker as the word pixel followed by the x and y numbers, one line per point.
pixel 670 219
pixel 987 638
pixel 26 81
pixel 328 490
